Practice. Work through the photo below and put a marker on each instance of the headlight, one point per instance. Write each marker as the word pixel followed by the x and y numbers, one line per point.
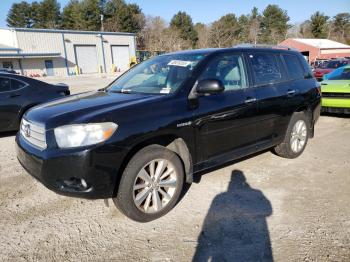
pixel 84 134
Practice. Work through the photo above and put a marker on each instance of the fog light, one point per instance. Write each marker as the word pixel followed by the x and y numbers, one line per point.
pixel 74 184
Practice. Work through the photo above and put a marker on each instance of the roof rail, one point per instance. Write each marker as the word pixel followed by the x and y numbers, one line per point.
pixel 248 45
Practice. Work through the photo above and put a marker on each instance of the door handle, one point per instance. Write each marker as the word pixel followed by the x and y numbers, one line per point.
pixel 291 92
pixel 250 100
pixel 13 95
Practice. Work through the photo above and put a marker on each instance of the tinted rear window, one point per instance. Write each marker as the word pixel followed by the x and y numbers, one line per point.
pixel 294 67
pixel 5 84
pixel 265 68
pixel 15 85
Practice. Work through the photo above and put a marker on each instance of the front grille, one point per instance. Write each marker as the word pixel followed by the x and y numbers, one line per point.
pixel 336 95
pixel 33 133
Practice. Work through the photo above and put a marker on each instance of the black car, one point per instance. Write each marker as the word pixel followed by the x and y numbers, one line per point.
pixel 139 139
pixel 19 93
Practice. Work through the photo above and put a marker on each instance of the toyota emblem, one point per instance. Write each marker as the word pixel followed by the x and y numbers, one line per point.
pixel 26 130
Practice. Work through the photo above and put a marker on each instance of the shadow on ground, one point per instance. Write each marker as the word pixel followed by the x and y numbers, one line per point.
pixel 235 228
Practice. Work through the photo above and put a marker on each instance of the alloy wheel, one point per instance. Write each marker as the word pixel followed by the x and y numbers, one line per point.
pixel 298 136
pixel 155 186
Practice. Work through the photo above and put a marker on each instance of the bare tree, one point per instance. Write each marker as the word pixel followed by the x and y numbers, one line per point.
pixel 203 32
pixel 224 32
pixel 158 36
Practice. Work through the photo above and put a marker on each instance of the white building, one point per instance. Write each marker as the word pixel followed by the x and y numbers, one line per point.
pixel 65 52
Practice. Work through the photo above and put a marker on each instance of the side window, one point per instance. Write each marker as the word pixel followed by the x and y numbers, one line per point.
pixel 15 85
pixel 294 66
pixel 266 69
pixel 5 84
pixel 227 68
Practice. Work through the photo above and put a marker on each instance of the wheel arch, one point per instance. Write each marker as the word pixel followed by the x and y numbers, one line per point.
pixel 169 141
pixel 307 110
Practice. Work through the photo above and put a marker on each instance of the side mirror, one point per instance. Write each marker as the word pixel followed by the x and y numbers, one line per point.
pixel 210 86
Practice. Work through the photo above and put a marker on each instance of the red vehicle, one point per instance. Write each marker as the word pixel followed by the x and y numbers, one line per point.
pixel 329 67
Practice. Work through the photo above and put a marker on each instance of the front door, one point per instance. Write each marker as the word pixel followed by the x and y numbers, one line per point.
pixel 225 121
pixel 49 67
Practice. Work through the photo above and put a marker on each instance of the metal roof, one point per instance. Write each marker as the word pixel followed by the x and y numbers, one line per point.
pixel 8 48
pixel 321 43
pixel 67 31
pixel 30 55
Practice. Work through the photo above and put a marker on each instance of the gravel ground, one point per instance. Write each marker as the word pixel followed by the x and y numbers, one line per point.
pixel 260 208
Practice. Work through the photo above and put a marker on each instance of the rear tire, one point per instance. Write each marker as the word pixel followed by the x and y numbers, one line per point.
pixel 296 137
pixel 151 184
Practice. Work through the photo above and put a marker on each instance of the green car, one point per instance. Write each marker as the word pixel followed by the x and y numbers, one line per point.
pixel 335 89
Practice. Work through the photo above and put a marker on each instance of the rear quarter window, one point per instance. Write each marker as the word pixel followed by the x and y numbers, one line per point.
pixel 294 67
pixel 15 85
pixel 265 67
pixel 5 84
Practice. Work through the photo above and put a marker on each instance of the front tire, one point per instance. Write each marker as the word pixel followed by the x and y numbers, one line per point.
pixel 151 184
pixel 296 137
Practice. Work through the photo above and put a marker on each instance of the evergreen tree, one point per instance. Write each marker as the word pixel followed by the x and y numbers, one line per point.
pixel 318 25
pixel 71 15
pixel 90 15
pixel 123 17
pixel 48 14
pixel 20 15
pixel 183 23
pixel 274 24
pixel 35 14
pixel 243 31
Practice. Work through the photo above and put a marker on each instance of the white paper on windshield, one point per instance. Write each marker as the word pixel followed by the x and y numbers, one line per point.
pixel 179 63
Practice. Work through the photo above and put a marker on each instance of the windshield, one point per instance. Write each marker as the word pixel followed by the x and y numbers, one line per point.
pixel 342 73
pixel 159 75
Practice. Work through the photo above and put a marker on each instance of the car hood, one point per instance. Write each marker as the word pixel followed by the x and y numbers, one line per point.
pixel 83 107
pixel 336 86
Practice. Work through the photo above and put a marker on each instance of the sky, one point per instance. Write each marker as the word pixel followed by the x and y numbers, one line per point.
pixel 207 11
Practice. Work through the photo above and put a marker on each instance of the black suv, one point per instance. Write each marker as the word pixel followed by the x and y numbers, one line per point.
pixel 139 139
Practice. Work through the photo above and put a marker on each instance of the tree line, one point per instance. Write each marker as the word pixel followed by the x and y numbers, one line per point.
pixel 270 26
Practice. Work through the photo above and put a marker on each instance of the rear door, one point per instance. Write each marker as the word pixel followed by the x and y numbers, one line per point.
pixel 298 83
pixel 226 121
pixel 270 82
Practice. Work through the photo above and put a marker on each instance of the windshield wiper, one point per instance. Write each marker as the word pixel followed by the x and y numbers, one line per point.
pixel 122 91
pixel 125 90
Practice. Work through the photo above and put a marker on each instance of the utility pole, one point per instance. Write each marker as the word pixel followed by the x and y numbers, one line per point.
pixel 102 27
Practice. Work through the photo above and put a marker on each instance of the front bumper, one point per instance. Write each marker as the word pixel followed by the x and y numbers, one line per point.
pixel 63 170
pixel 336 105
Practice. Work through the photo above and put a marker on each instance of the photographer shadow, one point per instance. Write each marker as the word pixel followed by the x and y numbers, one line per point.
pixel 235 228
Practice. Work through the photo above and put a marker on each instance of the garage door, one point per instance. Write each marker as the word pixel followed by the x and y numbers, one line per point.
pixel 121 57
pixel 86 59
